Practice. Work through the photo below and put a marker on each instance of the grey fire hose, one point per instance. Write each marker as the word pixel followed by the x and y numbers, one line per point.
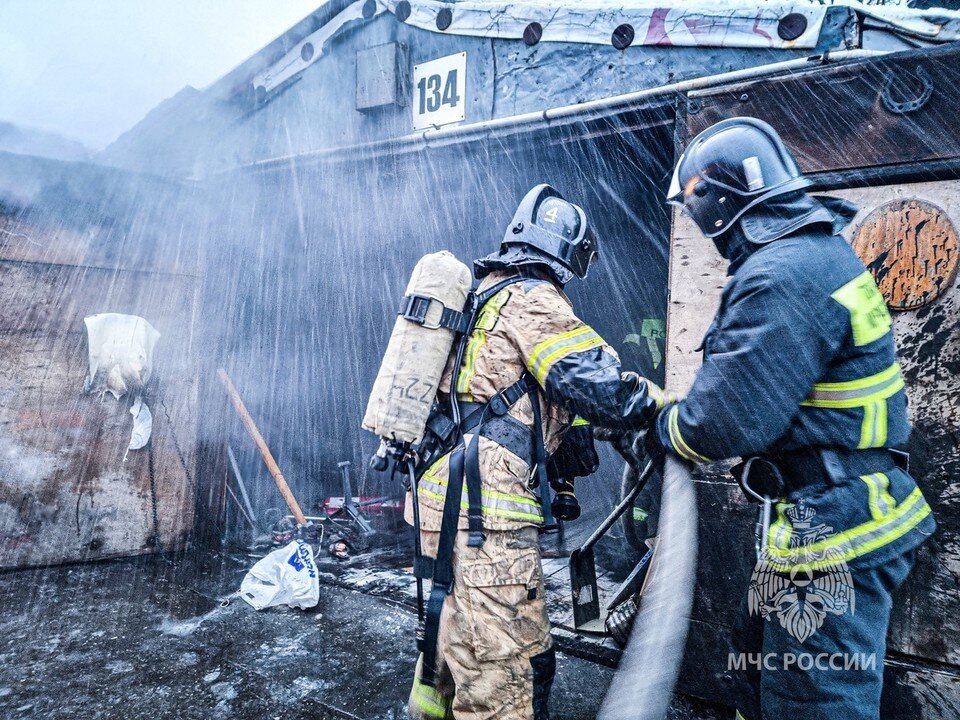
pixel 645 679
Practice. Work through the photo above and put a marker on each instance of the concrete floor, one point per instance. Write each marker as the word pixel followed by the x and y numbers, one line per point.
pixel 154 638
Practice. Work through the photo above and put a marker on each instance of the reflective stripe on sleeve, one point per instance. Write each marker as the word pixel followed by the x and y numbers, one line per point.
pixel 547 353
pixel 676 439
pixel 857 393
pixel 869 393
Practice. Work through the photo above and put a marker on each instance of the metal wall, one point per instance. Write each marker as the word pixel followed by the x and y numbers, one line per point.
pixel 196 133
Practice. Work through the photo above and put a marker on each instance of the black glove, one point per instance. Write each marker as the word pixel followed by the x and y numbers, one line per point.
pixel 652 445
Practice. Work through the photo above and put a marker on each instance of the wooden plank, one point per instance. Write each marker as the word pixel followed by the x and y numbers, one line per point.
pixel 826 114
pixel 697 277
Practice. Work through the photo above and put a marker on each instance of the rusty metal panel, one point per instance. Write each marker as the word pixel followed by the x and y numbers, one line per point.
pixel 911 247
pixel 900 108
pixel 66 491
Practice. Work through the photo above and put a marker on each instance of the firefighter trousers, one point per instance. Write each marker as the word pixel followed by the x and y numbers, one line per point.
pixel 837 671
pixel 494 657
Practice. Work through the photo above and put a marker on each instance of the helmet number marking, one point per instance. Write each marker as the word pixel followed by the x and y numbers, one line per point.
pixel 551 215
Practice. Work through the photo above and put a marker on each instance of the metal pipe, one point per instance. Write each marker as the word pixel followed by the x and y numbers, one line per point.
pixel 235 468
pixel 625 503
pixel 581 111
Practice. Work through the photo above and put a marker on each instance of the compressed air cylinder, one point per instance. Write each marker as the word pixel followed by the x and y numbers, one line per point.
pixel 416 355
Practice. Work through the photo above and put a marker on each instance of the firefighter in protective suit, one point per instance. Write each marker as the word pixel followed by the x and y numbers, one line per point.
pixel 492 657
pixel 799 372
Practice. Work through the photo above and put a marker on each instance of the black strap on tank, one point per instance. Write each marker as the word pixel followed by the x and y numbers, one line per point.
pixel 415 307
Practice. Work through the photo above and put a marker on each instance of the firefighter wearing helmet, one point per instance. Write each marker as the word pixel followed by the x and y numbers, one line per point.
pixel 800 379
pixel 531 367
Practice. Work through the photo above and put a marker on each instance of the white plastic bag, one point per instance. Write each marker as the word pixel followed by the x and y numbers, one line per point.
pixel 287 576
pixel 121 353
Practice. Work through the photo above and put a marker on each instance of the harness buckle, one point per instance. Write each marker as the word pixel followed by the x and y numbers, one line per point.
pixel 498 404
pixel 414 308
pixel 476 538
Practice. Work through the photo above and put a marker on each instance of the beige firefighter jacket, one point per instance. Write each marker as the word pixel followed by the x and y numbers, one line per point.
pixel 529 326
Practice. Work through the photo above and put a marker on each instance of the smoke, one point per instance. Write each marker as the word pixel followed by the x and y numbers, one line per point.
pixel 91 70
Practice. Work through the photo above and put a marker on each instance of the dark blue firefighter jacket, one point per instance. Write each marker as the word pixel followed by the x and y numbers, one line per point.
pixel 801 355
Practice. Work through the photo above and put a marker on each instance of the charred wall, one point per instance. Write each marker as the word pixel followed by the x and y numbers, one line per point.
pixel 77 240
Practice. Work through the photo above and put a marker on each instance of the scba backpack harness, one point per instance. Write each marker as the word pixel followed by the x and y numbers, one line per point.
pixel 447 427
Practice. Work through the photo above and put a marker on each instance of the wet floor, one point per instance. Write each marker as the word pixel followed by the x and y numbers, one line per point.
pixel 156 638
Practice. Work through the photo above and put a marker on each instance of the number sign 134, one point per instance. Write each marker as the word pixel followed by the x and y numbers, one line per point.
pixel 439 89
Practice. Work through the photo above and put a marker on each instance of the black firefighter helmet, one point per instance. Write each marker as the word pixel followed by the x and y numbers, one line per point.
pixel 545 230
pixel 730 168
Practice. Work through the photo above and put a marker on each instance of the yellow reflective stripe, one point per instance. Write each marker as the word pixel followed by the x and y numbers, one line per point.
pixel 491 310
pixel 519 499
pixel 873 431
pixel 579 421
pixel 856 393
pixel 523 508
pixel 861 383
pixel 880 439
pixel 868 428
pixel 477 340
pixel 781 530
pixel 869 318
pixel 740 716
pixel 490 509
pixel 548 352
pixel 880 500
pixel 657 393
pixel 429 700
pixel 857 541
pixel 486 321
pixel 676 439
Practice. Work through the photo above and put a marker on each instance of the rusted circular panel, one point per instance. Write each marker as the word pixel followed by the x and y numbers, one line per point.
pixel 910 246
